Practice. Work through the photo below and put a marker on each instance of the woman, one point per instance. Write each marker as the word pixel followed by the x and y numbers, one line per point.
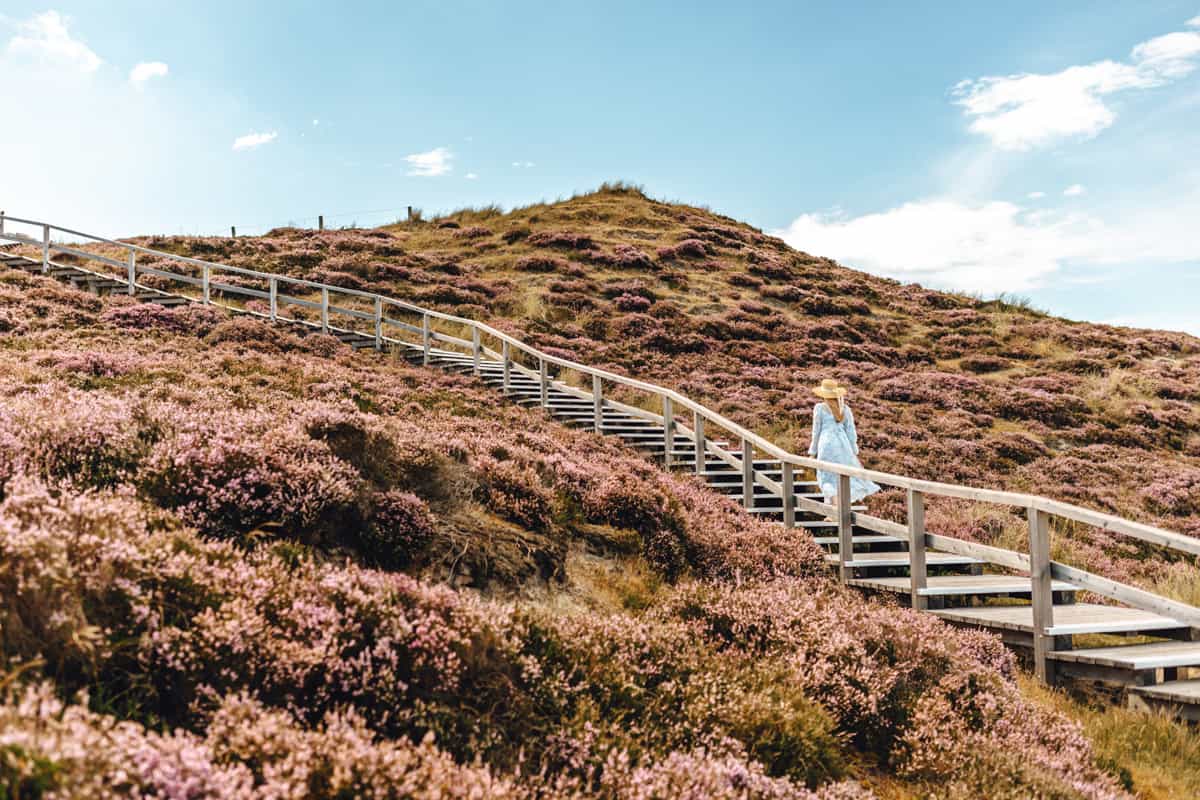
pixel 835 439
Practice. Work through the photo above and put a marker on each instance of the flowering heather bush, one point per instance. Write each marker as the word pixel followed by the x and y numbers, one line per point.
pixel 190 319
pixel 398 527
pixel 631 302
pixel 541 263
pixel 688 248
pixel 564 239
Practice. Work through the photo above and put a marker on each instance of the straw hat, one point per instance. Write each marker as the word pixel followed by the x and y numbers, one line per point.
pixel 829 389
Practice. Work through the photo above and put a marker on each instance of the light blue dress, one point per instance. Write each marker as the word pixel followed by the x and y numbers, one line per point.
pixel 837 442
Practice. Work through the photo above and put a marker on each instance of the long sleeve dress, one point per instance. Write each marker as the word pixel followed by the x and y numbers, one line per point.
pixel 837 442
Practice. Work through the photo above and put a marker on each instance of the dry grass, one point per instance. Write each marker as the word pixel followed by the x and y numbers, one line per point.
pixel 1160 757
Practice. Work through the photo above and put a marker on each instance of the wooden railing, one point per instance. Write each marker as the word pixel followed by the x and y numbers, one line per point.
pixel 396 323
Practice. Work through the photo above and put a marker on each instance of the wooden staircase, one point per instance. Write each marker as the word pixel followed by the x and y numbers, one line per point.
pixel 1148 654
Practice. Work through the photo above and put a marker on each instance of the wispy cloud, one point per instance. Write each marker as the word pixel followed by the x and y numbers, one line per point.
pixel 252 140
pixel 44 39
pixel 990 247
pixel 471 176
pixel 1194 22
pixel 1074 190
pixel 524 164
pixel 998 246
pixel 437 161
pixel 1036 195
pixel 1025 111
pixel 147 70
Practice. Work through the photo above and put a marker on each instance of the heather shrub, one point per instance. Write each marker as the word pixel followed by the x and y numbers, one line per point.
pixel 631 302
pixel 193 319
pixel 83 438
pixel 984 363
pixel 513 491
pixel 248 331
pixel 229 479
pixel 626 501
pixel 398 527
pixel 563 239
pixel 541 263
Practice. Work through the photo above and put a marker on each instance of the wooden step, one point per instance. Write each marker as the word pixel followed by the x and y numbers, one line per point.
pixel 861 560
pixel 857 538
pixel 957 585
pixel 1135 657
pixel 1182 697
pixel 1068 620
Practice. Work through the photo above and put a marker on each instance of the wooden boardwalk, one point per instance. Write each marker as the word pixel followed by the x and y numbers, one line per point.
pixel 1029 600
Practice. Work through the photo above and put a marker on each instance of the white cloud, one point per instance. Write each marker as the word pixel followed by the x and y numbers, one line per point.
pixel 437 161
pixel 992 247
pixel 1021 112
pixel 1036 195
pixel 1194 22
pixel 316 122
pixel 44 39
pixel 523 164
pixel 252 140
pixel 1000 246
pixel 1074 190
pixel 471 176
pixel 147 70
pixel 1158 321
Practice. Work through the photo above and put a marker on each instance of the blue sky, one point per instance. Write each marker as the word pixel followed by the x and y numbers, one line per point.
pixel 1045 149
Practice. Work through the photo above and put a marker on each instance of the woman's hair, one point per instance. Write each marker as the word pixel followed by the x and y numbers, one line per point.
pixel 839 413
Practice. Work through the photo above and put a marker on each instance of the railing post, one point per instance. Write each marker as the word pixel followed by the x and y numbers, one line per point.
pixel 918 574
pixel 598 404
pixel 747 474
pixel 1 223
pixel 45 249
pixel 274 290
pixel 845 529
pixel 668 431
pixel 131 269
pixel 506 380
pixel 475 348
pixel 544 383
pixel 378 322
pixel 425 339
pixel 1041 594
pixel 325 309
pixel 701 447
pixel 205 279
pixel 789 495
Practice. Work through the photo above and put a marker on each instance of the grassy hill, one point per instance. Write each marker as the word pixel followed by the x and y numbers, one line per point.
pixel 278 567
pixel 946 387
